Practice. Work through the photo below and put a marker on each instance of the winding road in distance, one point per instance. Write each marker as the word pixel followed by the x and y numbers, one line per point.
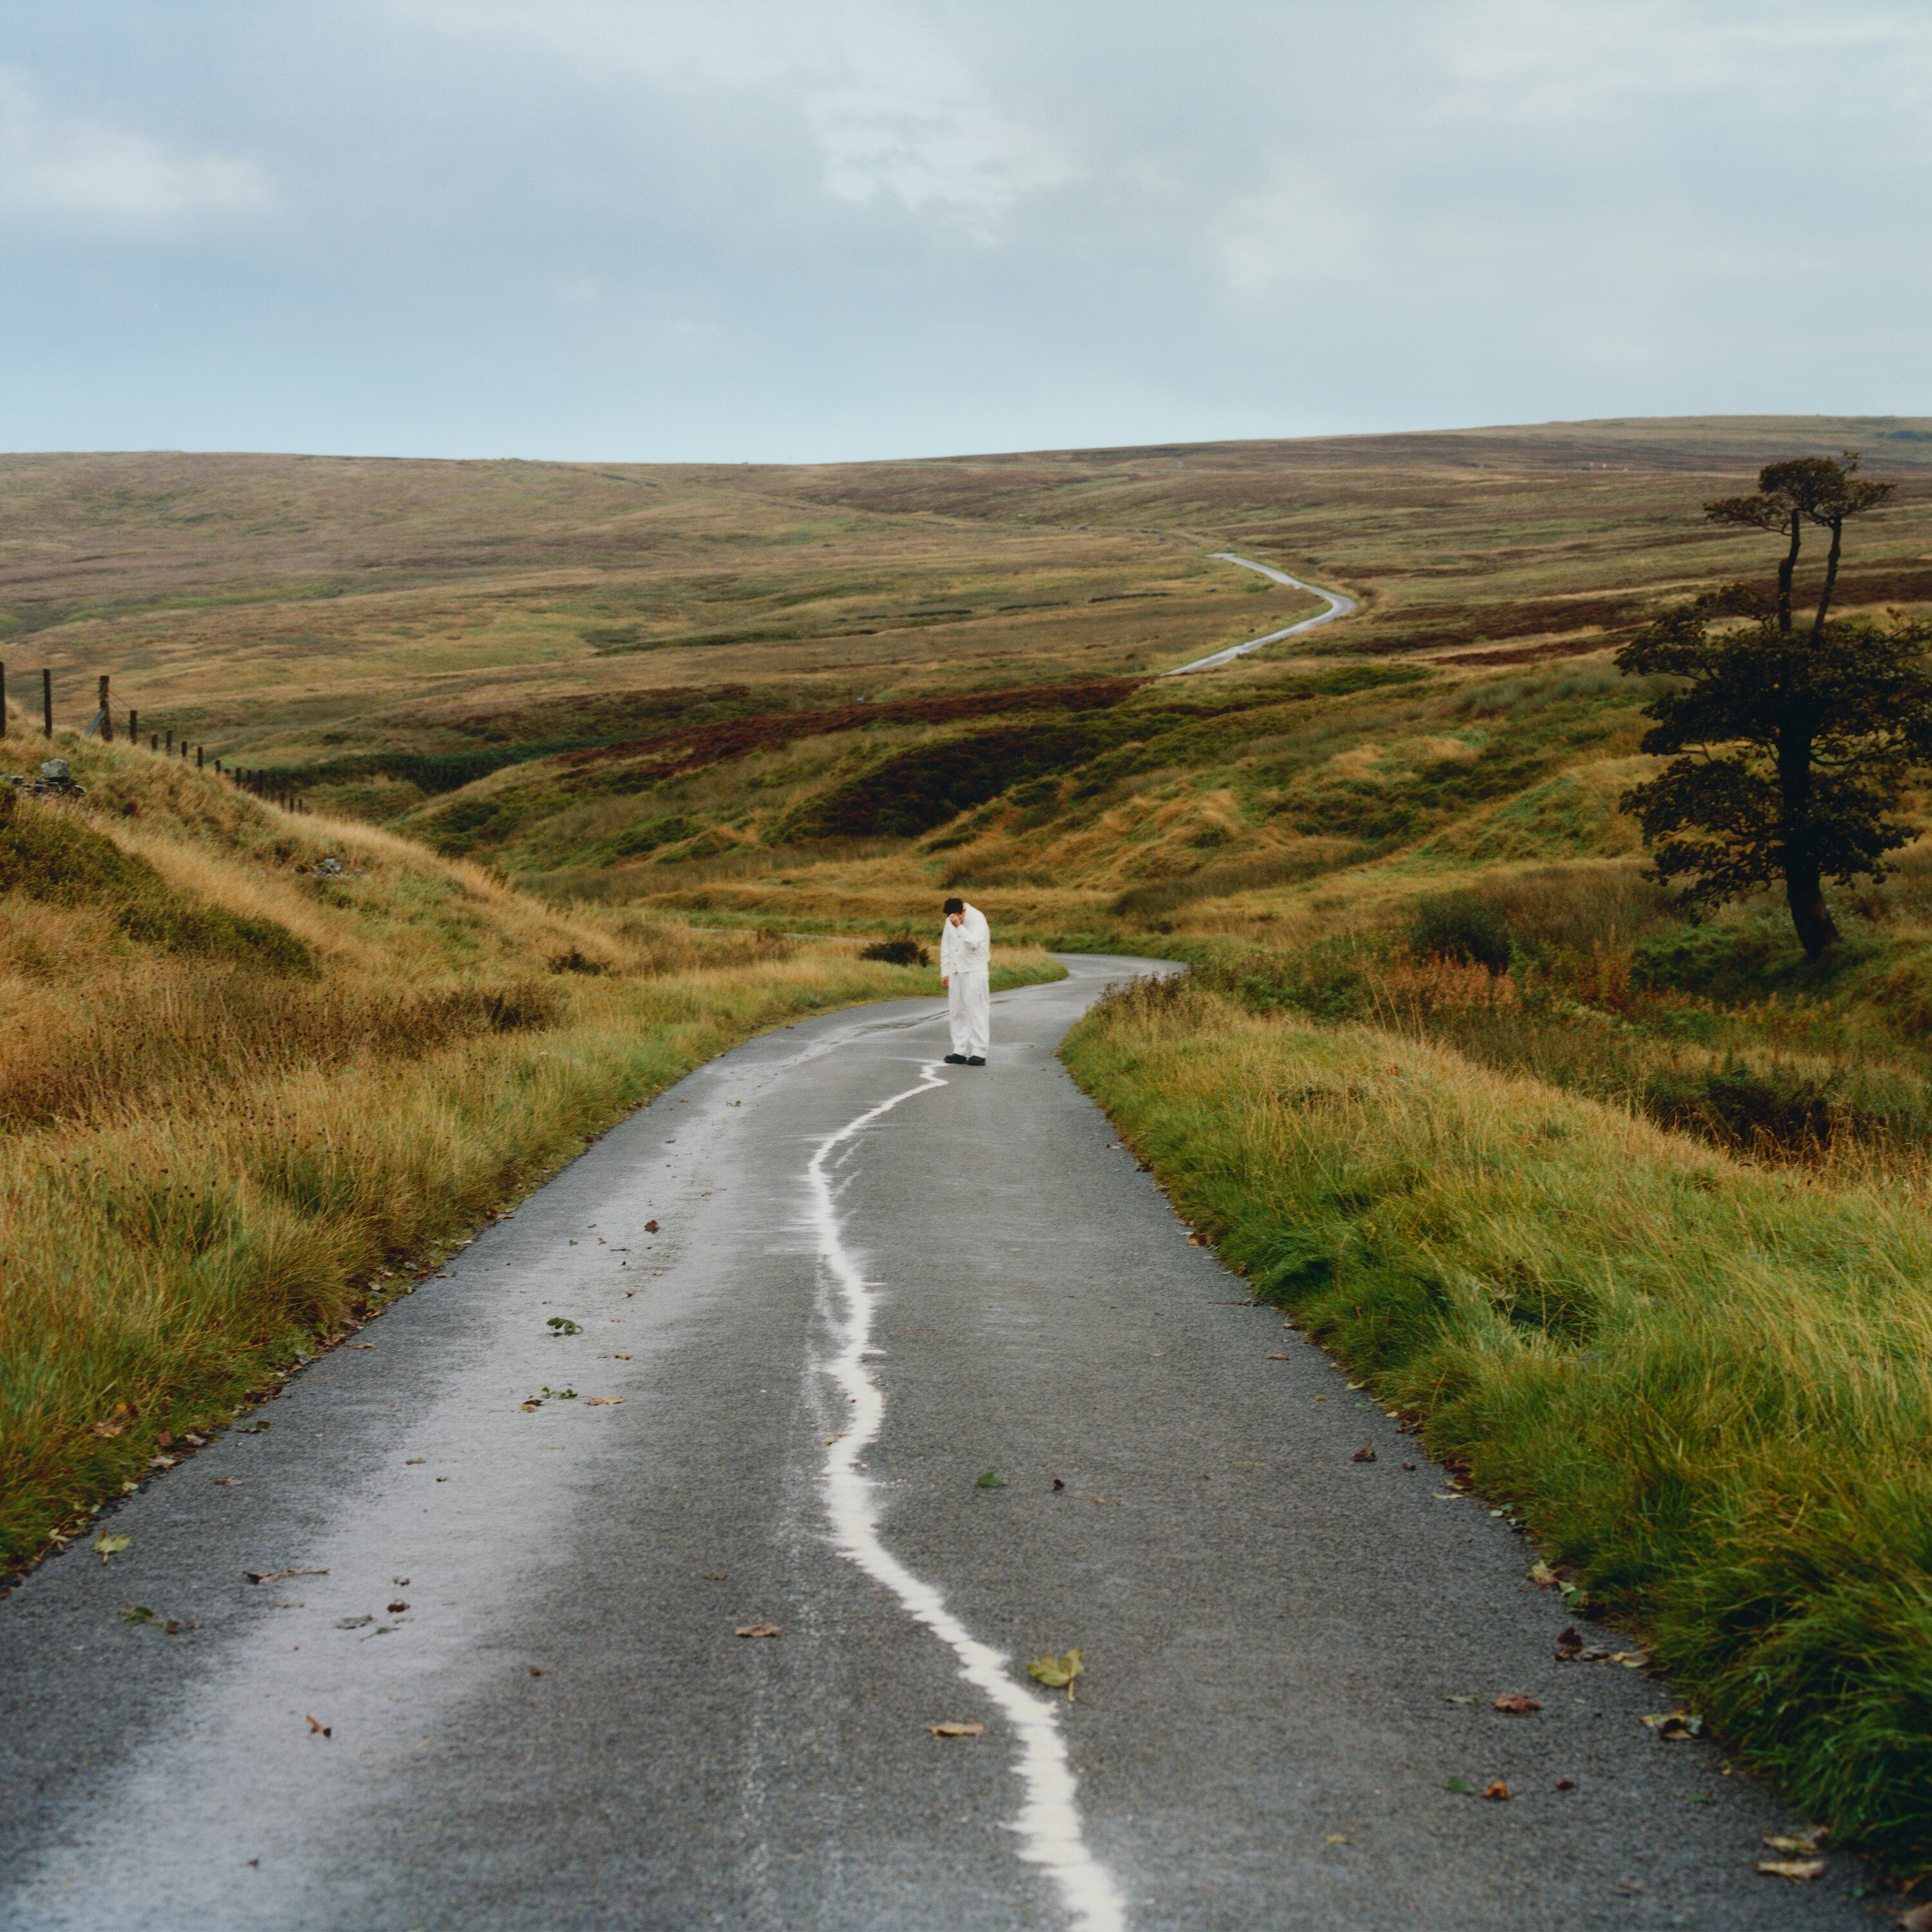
pixel 885 1377
pixel 1338 606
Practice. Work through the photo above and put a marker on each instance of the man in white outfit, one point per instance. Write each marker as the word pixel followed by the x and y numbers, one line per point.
pixel 965 955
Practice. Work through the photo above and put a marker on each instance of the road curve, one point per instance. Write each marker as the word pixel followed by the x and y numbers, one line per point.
pixel 1338 606
pixel 919 1371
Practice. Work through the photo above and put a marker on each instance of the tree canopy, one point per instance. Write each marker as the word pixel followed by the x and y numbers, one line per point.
pixel 1790 744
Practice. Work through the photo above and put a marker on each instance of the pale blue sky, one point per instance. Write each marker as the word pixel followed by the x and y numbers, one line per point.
pixel 790 229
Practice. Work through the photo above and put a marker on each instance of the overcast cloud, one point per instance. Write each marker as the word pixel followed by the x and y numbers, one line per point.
pixel 791 229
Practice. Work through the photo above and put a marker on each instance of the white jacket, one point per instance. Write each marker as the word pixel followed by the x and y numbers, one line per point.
pixel 966 948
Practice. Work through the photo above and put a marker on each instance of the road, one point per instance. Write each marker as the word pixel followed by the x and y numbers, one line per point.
pixel 1338 606
pixel 918 1370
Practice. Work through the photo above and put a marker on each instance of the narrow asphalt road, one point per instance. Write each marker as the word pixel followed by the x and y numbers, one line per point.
pixel 918 1370
pixel 1338 606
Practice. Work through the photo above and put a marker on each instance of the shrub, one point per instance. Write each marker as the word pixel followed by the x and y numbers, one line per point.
pixel 901 952
pixel 1462 927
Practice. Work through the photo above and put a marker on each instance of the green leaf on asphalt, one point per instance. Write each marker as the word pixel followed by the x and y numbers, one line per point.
pixel 109 1545
pixel 561 1324
pixel 1057 1672
pixel 991 1480
pixel 136 1613
pixel 1461 1786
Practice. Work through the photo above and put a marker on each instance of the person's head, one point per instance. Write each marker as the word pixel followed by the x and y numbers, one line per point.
pixel 955 911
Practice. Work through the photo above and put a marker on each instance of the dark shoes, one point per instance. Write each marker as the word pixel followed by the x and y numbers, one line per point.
pixel 955 1060
pixel 978 1059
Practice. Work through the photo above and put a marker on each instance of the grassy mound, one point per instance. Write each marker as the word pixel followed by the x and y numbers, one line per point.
pixel 1708 1387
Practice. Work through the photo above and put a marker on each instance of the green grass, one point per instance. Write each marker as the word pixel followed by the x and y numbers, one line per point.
pixel 1708 1388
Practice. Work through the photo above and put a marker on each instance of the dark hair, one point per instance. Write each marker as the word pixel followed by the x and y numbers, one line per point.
pixel 953 905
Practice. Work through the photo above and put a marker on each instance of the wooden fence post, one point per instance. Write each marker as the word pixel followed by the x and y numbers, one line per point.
pixel 47 703
pixel 107 715
pixel 3 701
pixel 134 729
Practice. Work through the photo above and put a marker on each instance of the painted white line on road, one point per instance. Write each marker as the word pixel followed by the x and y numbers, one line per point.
pixel 1338 606
pixel 1049 1820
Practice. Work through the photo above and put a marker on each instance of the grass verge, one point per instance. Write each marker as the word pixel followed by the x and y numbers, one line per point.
pixel 1709 1388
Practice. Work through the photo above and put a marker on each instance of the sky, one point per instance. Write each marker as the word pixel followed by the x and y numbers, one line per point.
pixel 818 230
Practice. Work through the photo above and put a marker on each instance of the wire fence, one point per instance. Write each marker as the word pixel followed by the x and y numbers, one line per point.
pixel 266 784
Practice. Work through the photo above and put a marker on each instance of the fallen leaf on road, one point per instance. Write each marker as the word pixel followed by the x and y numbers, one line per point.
pixel 228 1482
pixel 110 1545
pixel 1569 1641
pixel 1366 1454
pixel 1629 1885
pixel 163 1461
pixel 353 1623
pixel 602 1401
pixel 991 1480
pixel 717 1575
pixel 1566 1784
pixel 1057 1672
pixel 1461 1786
pixel 1058 1484
pixel 139 1613
pixel 535 1402
pixel 758 1630
pixel 361 1345
pixel 1543 1576
pixel 1515 1701
pixel 650 1227
pixel 535 1670
pixel 1408 1465
pixel 561 1324
pixel 1797 1870
pixel 1797 1843
pixel 1338 1838
pixel 1674 1726
pixel 956 1730
pixel 1630 1659
pixel 326 1730
pixel 1496 1789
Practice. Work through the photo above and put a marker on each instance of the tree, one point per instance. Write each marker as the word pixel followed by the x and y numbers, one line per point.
pixel 1808 489
pixel 1790 746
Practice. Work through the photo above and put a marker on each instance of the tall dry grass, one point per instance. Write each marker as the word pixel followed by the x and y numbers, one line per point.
pixel 1709 1387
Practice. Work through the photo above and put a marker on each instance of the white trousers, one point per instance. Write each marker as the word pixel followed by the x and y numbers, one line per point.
pixel 966 1007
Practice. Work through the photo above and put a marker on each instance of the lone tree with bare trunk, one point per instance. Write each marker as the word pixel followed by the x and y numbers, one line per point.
pixel 1790 743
